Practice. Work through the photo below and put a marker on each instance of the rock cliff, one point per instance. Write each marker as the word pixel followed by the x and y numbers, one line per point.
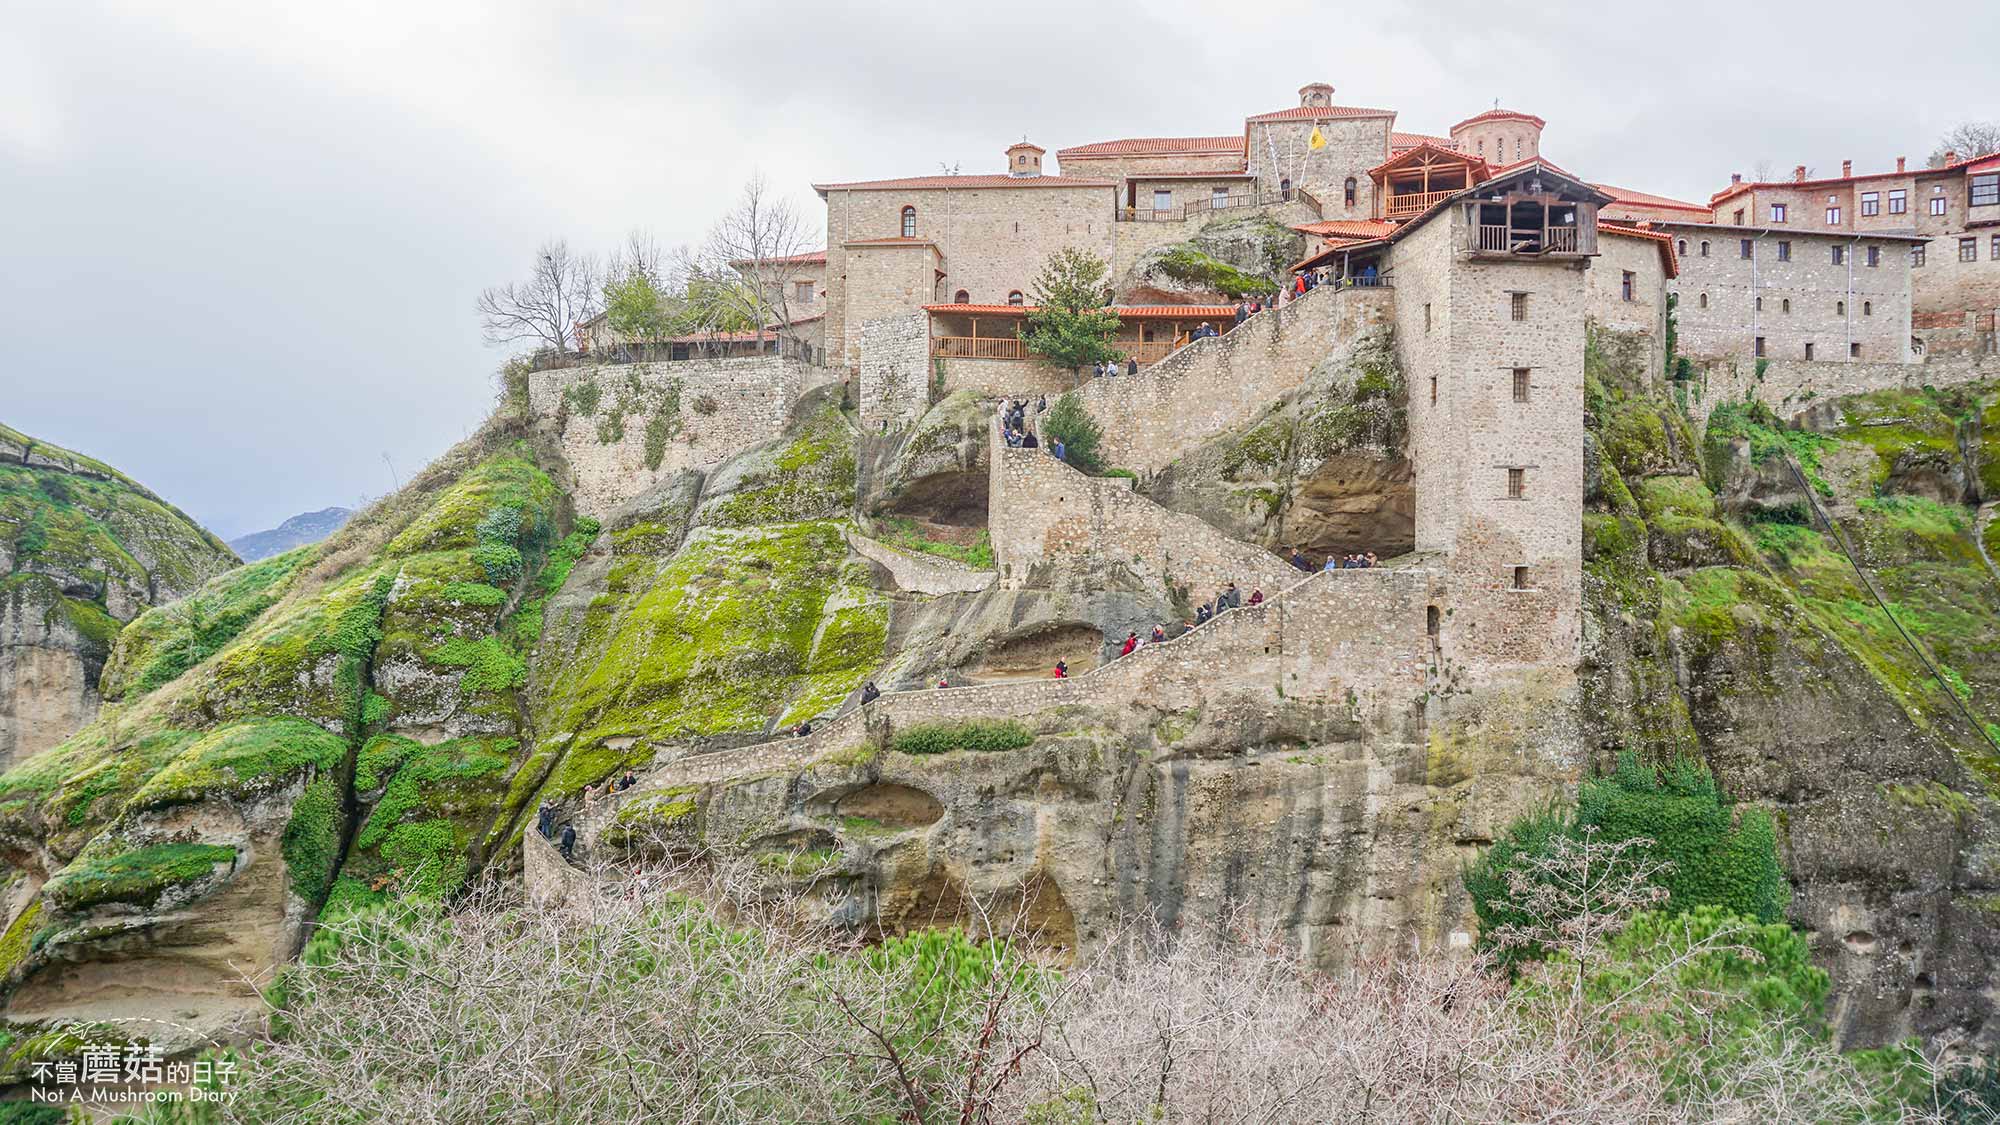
pixel 83 549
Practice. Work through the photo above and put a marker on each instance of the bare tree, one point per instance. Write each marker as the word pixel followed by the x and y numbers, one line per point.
pixel 1967 139
pixel 741 276
pixel 561 292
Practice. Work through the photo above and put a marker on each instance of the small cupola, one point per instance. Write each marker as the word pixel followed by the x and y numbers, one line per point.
pixel 1316 95
pixel 1024 159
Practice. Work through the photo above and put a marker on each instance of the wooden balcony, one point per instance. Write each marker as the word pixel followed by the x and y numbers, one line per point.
pixel 978 347
pixel 1492 239
pixel 1415 203
pixel 1150 351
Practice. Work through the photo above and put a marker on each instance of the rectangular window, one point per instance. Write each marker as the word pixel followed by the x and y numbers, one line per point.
pixel 1427 316
pixel 1760 304
pixel 1899 202
pixel 1854 351
pixel 1809 354
pixel 1517 484
pixel 1434 390
pixel 802 292
pixel 1840 255
pixel 1871 203
pixel 1627 284
pixel 1833 216
pixel 1219 197
pixel 1784 250
pixel 1968 249
pixel 1520 578
pixel 1937 204
pixel 1744 249
pixel 1760 347
pixel 1874 256
pixel 1739 216
pixel 1995 254
pixel 1777 212
pixel 1785 305
pixel 1985 190
pixel 1519 302
pixel 1704 247
pixel 1916 256
pixel 1520 384
pixel 1163 199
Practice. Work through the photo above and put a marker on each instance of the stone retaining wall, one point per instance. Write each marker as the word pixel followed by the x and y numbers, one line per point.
pixel 1215 385
pixel 919 573
pixel 1054 528
pixel 546 876
pixel 894 384
pixel 697 413
pixel 1790 387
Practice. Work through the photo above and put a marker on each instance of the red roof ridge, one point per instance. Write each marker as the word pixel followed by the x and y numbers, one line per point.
pixel 920 183
pixel 1319 112
pixel 1748 185
pixel 1498 114
pixel 1135 146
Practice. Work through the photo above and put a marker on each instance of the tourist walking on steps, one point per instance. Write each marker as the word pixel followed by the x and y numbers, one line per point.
pixel 804 728
pixel 1371 560
pixel 1298 561
pixel 567 842
pixel 870 693
pixel 944 682
pixel 1028 441
pixel 1231 598
pixel 1256 597
pixel 1062 671
pixel 1132 365
pixel 1332 563
pixel 1159 633
pixel 545 820
pixel 1202 614
pixel 1131 642
pixel 1056 447
pixel 1242 312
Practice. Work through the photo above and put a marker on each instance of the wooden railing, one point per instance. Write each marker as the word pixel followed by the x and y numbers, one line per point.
pixel 1416 202
pixel 1491 237
pixel 1502 239
pixel 1152 351
pixel 977 347
pixel 1560 240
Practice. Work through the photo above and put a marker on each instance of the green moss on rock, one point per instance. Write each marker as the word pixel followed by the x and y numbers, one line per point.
pixel 136 877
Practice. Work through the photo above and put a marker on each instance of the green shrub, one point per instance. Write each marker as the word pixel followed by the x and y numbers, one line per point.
pixel 966 734
pixel 501 563
pixel 1070 422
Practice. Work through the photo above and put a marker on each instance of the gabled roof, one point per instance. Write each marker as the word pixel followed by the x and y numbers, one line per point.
pixel 1347 228
pixel 1544 162
pixel 1646 199
pixel 1319 113
pixel 1669 263
pixel 1156 146
pixel 1416 155
pixel 1497 114
pixel 965 183
pixel 1412 140
pixel 1415 222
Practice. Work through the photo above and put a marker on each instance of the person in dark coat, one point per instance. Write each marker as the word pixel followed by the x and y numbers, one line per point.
pixel 804 728
pixel 567 842
pixel 1298 561
pixel 870 693
pixel 1028 441
pixel 1242 312
pixel 545 820
pixel 1230 598
pixel 1202 614
pixel 627 782
pixel 1132 365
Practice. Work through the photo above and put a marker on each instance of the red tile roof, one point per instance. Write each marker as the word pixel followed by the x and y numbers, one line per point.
pixel 1477 164
pixel 1320 113
pixel 1646 199
pixel 964 183
pixel 1668 260
pixel 811 257
pixel 1156 146
pixel 1347 228
pixel 1544 162
pixel 1412 140
pixel 890 240
pixel 1750 185
pixel 1499 115
pixel 1186 312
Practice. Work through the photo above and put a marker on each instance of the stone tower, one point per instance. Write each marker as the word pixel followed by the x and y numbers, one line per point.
pixel 1024 159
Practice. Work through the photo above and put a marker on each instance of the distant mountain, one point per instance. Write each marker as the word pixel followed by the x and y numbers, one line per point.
pixel 307 527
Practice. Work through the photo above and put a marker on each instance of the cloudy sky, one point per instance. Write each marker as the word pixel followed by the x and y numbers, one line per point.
pixel 239 242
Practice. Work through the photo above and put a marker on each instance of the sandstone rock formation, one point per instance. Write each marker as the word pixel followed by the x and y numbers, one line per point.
pixel 83 549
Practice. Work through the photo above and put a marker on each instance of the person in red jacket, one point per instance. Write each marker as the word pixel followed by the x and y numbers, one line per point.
pixel 1062 670
pixel 1131 642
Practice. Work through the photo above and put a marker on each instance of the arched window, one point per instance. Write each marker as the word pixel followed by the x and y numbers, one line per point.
pixel 1704 247
pixel 1350 191
pixel 961 298
pixel 909 222
pixel 1015 298
pixel 1682 249
pixel 1704 300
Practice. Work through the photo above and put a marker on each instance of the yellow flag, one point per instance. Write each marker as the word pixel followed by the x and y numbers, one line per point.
pixel 1317 141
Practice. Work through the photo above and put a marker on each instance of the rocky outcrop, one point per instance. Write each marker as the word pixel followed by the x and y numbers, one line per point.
pixel 301 530
pixel 83 549
pixel 1229 257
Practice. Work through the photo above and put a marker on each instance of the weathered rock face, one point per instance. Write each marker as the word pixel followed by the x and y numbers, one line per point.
pixel 83 549
pixel 1229 257
pixel 1724 623
pixel 1323 470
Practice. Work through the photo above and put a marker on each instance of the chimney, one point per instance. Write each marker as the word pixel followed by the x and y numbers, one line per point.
pixel 1799 172
pixel 1846 169
pixel 1316 94
pixel 1900 161
pixel 1735 178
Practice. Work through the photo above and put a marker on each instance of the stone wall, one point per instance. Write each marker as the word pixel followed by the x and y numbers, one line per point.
pixel 998 377
pixel 1054 528
pixel 918 573
pixel 1789 387
pixel 1645 311
pixel 1280 149
pixel 1214 385
pixel 706 410
pixel 546 877
pixel 893 388
pixel 1801 299
pixel 990 240
pixel 1956 333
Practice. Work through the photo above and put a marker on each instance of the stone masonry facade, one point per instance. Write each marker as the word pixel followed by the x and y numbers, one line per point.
pixel 893 387
pixel 1805 295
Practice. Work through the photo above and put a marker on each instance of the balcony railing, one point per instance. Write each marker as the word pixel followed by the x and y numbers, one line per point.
pixel 1151 351
pixel 1194 207
pixel 1401 206
pixel 977 347
pixel 1560 240
pixel 1550 240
